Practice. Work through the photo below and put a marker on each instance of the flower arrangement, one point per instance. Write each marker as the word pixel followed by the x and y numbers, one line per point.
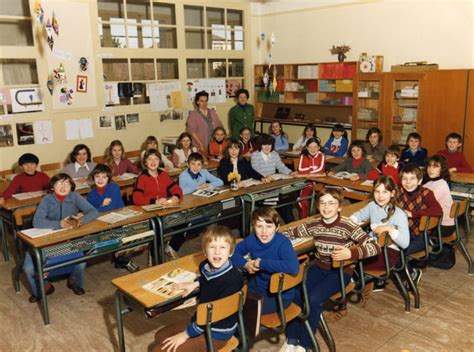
pixel 342 49
pixel 233 176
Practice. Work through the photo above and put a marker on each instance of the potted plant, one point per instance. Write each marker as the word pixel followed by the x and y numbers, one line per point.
pixel 340 51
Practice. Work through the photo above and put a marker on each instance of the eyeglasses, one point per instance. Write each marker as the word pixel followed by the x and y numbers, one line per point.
pixel 63 183
pixel 330 203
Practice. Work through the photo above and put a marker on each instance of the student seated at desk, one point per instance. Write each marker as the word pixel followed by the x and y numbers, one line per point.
pixel 116 160
pixel 152 143
pixel 389 167
pixel 219 279
pixel 312 162
pixel 246 142
pixel 281 138
pixel 355 163
pixel 308 133
pixel 62 208
pixel 80 165
pixel 105 195
pixel 233 161
pixel 374 149
pixel 28 181
pixel 218 144
pixel 414 153
pixel 267 162
pixel 154 186
pixel 184 147
pixel 194 177
pixel 264 253
pixel 335 238
pixel 336 145
pixel 456 160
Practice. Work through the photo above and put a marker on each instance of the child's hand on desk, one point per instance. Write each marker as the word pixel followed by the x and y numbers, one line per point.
pixel 81 180
pixel 452 169
pixel 161 201
pixel 186 287
pixel 203 186
pixel 106 202
pixel 331 173
pixel 172 343
pixel 267 179
pixel 341 253
pixel 65 224
pixel 354 178
pixel 173 200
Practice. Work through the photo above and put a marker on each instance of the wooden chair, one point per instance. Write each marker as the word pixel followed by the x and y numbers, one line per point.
pixel 98 159
pixel 296 163
pixel 458 211
pixel 427 224
pixel 212 312
pixel 20 216
pixel 52 167
pixel 127 193
pixel 384 240
pixel 133 154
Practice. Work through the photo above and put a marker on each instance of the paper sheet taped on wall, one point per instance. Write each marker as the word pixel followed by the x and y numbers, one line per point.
pixel 26 99
pixel 165 96
pixel 214 87
pixel 78 129
pixel 111 96
pixel 43 131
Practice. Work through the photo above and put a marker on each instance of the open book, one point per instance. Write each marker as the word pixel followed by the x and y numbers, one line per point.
pixel 206 192
pixel 153 207
pixel 34 232
pixel 28 195
pixel 126 176
pixel 162 285
pixel 249 182
pixel 117 216
pixel 345 175
pixel 281 177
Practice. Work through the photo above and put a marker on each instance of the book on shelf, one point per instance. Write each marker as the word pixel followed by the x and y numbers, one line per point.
pixel 308 71
pixel 162 286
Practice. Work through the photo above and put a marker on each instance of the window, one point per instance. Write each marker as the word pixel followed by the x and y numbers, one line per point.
pixel 213 28
pixel 15 23
pixel 138 24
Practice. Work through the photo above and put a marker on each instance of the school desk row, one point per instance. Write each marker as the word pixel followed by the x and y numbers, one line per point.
pixel 100 238
pixel 131 286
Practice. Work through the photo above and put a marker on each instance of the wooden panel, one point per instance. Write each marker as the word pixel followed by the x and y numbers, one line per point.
pixel 468 146
pixel 443 102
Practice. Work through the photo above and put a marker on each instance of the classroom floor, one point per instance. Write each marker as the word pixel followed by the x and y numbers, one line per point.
pixel 445 321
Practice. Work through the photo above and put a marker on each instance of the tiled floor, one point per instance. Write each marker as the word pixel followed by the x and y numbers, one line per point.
pixel 445 321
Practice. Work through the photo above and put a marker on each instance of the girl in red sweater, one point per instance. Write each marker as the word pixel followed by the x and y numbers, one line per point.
pixel 312 162
pixel 389 167
pixel 154 186
pixel 116 160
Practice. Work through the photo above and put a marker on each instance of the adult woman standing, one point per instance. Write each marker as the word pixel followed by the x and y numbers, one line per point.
pixel 241 115
pixel 202 122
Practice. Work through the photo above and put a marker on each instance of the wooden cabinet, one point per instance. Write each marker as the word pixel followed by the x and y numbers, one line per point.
pixel 389 101
pixel 320 93
pixel 468 145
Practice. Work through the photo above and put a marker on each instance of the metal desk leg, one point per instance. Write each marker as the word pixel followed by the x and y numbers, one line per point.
pixel 154 260
pixel 44 300
pixel 4 241
pixel 161 238
pixel 118 317
pixel 18 268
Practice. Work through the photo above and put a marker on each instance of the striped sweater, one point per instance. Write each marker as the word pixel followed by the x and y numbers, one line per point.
pixel 341 232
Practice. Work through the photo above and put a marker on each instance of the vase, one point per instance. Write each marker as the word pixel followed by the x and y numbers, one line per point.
pixel 341 57
pixel 234 185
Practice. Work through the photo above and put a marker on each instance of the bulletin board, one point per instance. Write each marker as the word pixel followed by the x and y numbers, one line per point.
pixel 71 80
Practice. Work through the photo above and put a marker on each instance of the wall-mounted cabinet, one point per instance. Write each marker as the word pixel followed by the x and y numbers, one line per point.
pixel 312 92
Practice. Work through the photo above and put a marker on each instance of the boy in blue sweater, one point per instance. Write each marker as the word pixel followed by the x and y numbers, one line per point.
pixel 195 177
pixel 264 253
pixel 105 195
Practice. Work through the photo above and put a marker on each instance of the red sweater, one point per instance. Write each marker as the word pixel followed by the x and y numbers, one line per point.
pixel 385 170
pixel 312 164
pixel 420 202
pixel 23 183
pixel 217 149
pixel 456 160
pixel 124 166
pixel 148 188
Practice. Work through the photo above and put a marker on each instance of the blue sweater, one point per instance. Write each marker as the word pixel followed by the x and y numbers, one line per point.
pixel 375 214
pixel 268 167
pixel 418 158
pixel 189 185
pixel 112 191
pixel 341 151
pixel 51 211
pixel 276 256
pixel 281 142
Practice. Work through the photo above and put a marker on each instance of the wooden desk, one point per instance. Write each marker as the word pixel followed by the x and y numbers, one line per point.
pixel 463 177
pixel 82 239
pixel 351 189
pixel 131 285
